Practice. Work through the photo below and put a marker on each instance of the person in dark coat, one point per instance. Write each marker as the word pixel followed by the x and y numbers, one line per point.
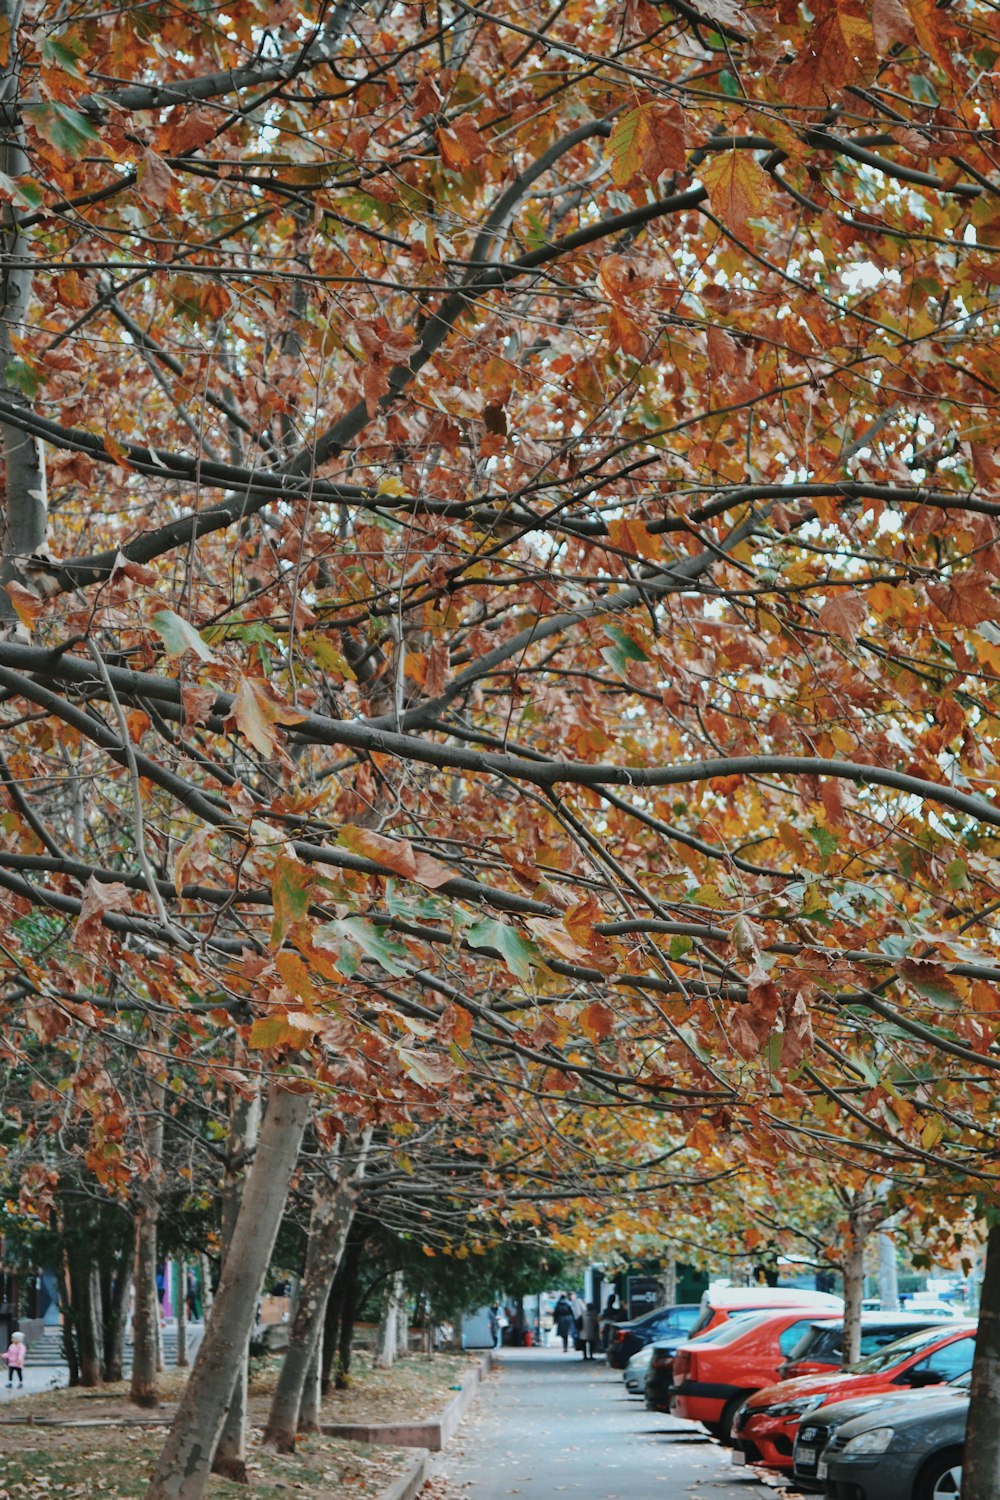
pixel 588 1330
pixel 562 1316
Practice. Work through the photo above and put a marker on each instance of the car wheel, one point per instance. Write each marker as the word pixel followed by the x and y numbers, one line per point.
pixel 725 1429
pixel 941 1477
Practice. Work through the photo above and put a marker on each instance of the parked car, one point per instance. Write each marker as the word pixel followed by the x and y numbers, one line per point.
pixel 662 1323
pixel 908 1450
pixel 713 1377
pixel 719 1306
pixel 821 1348
pixel 818 1427
pixel 764 1428
pixel 634 1373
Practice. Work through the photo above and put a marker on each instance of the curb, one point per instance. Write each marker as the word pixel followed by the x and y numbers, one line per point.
pixel 411 1481
pixel 431 1435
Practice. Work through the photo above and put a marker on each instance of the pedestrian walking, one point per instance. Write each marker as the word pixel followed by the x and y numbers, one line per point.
pixel 587 1338
pixel 15 1359
pixel 562 1316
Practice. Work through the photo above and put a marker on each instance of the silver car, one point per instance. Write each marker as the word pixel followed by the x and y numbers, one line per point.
pixel 906 1450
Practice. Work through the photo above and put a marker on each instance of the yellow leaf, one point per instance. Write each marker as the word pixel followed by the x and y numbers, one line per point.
pixel 256 712
pixel 738 189
pixel 391 485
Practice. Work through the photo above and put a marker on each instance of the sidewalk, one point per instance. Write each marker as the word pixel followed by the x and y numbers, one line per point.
pixel 553 1423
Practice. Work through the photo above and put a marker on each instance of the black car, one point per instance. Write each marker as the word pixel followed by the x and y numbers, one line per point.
pixel 673 1322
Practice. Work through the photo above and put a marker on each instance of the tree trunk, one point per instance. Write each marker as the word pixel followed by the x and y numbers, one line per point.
pixel 338 1328
pixel 25 509
pixel 183 1468
pixel 68 1323
pixel 145 1319
pixel 207 1295
pixel 669 1278
pixel 981 1472
pixel 180 1312
pixel 888 1287
pixel 115 1305
pixel 385 1337
pixel 85 1292
pixel 854 1273
pixel 329 1227
pixel 402 1322
pixel 310 1403
pixel 244 1125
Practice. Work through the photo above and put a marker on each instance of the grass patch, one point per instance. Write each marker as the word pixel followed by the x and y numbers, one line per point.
pixel 75 1463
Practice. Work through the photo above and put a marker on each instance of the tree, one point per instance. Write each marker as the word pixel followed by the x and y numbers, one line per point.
pixel 513 561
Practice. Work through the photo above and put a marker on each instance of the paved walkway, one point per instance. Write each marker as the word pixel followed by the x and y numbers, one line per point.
pixel 549 1424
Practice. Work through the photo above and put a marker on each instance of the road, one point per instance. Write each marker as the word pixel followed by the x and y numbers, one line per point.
pixel 551 1424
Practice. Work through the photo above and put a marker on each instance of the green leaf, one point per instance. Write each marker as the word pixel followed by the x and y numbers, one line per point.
pixel 957 875
pixel 179 635
pixel 622 652
pixel 825 841
pixel 66 129
pixel 393 957
pixel 679 946
pixel 291 894
pixel 65 52
pixel 924 90
pixel 22 377
pixel 626 644
pixel 730 85
pixel 517 951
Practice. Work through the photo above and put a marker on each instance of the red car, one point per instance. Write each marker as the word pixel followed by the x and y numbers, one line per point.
pixel 764 1429
pixel 713 1378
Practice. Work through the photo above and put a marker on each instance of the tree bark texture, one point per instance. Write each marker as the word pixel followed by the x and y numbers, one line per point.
pixel 181 1313
pixel 116 1284
pixel 311 1395
pixel 888 1285
pixel 25 508
pixel 68 1323
pixel 184 1465
pixel 385 1336
pixel 858 1228
pixel 669 1278
pixel 85 1291
pixel 981 1473
pixel 402 1321
pixel 146 1317
pixel 332 1215
pixel 244 1125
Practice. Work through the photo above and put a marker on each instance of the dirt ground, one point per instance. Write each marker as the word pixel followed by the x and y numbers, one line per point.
pixel 116 1457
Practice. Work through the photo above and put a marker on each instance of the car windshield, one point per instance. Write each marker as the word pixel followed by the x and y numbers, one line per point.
pixel 883 1359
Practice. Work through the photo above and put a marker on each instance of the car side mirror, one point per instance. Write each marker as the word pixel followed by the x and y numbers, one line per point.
pixel 918 1378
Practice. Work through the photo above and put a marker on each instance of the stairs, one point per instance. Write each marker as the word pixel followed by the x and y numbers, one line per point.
pixel 46 1352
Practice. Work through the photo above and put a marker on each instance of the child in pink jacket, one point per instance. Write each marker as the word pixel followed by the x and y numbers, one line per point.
pixel 15 1358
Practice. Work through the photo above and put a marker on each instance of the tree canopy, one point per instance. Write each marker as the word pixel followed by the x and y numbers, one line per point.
pixel 500 553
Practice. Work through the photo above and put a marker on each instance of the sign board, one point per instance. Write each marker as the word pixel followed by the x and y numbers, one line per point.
pixel 643 1293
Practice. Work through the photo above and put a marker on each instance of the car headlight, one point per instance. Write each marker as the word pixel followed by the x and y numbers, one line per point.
pixel 797 1408
pixel 875 1440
